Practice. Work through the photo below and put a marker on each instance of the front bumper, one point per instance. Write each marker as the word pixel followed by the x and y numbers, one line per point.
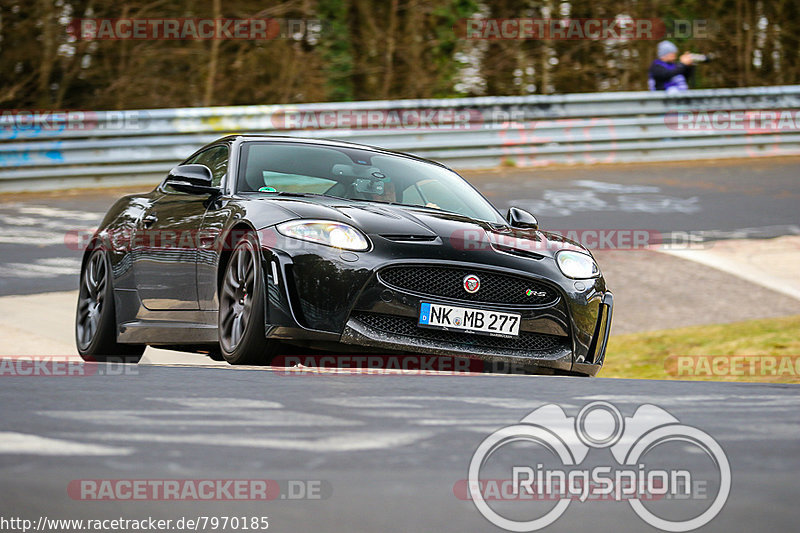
pixel 330 296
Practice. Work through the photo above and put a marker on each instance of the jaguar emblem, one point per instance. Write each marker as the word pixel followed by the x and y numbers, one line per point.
pixel 472 283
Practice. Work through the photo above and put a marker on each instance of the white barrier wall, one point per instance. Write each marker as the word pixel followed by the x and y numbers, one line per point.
pixel 46 150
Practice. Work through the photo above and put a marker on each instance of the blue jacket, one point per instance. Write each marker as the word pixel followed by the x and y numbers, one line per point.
pixel 669 77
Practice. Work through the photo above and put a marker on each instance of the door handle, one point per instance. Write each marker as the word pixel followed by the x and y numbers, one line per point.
pixel 149 220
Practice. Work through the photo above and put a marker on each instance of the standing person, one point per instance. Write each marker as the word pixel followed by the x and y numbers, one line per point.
pixel 667 75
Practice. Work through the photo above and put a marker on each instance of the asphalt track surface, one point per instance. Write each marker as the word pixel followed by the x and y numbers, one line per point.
pixel 386 450
pixel 717 199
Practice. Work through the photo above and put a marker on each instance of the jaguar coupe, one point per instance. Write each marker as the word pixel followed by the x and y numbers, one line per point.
pixel 260 244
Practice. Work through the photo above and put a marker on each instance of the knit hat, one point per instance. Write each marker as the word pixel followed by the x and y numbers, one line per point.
pixel 666 47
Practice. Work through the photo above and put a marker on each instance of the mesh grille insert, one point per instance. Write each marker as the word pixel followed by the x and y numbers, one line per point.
pixel 448 282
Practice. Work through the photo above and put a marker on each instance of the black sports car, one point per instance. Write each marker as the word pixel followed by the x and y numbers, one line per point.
pixel 258 241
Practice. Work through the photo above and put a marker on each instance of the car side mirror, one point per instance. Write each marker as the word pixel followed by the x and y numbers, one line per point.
pixel 521 219
pixel 192 179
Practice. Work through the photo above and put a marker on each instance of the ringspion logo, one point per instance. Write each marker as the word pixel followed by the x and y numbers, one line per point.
pixel 545 458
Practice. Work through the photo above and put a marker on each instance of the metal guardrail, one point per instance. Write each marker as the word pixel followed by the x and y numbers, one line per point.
pixel 76 149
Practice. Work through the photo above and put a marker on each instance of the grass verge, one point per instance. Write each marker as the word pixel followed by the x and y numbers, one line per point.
pixel 764 351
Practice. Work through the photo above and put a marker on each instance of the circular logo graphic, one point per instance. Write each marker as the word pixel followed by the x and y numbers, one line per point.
pixel 472 283
pixel 599 425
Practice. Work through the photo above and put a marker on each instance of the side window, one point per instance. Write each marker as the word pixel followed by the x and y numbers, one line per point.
pixel 215 158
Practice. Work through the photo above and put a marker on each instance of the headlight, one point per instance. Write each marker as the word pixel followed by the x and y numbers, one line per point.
pixel 577 265
pixel 325 232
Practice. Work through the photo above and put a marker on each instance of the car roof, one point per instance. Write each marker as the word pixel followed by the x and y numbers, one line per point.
pixel 325 142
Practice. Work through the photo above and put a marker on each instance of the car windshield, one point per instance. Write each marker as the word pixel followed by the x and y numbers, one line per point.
pixel 356 174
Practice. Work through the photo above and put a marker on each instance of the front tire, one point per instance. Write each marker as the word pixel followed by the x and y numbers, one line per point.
pixel 242 337
pixel 95 319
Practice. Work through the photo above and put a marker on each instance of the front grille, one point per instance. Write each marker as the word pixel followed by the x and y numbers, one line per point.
pixel 407 327
pixel 448 282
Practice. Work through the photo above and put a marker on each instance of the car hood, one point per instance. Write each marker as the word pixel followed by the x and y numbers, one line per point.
pixel 405 223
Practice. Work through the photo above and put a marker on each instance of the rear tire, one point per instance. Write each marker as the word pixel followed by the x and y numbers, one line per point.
pixel 242 338
pixel 95 319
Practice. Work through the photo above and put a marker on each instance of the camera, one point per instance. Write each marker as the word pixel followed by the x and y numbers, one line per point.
pixel 700 58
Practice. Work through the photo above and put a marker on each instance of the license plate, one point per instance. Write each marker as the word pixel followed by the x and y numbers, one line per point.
pixel 469 320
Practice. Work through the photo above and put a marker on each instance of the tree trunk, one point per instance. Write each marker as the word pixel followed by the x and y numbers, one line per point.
pixel 48 57
pixel 388 60
pixel 208 95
